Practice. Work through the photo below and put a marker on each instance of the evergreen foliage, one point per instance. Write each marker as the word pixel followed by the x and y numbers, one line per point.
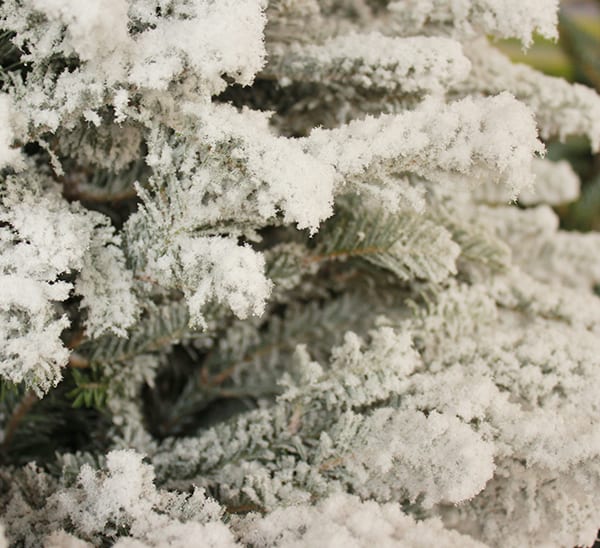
pixel 287 273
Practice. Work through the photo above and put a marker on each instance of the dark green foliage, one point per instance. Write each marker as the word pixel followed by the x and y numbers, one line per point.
pixel 10 57
pixel 91 389
pixel 38 429
pixel 199 388
pixel 161 327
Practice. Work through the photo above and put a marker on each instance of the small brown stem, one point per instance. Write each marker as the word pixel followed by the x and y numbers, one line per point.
pixel 337 255
pixel 331 463
pixel 82 196
pixel 77 361
pixel 221 377
pixel 295 421
pixel 19 413
pixel 76 339
pixel 143 278
pixel 245 508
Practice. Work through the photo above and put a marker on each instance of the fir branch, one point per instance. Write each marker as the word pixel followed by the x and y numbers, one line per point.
pixel 164 326
pixel 405 243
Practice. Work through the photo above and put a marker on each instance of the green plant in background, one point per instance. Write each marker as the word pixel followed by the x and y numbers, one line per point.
pixel 576 57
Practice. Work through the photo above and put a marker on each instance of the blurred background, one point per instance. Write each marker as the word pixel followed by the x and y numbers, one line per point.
pixel 575 57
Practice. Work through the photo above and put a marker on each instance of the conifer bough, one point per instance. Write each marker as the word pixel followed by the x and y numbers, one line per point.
pixel 263 279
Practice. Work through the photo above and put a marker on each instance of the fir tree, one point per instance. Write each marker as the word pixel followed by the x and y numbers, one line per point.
pixel 287 273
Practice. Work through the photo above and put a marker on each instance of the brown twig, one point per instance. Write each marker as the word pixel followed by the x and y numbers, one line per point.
pixel 77 361
pixel 331 463
pixel 82 196
pixel 19 413
pixel 144 278
pixel 245 508
pixel 338 255
pixel 76 339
